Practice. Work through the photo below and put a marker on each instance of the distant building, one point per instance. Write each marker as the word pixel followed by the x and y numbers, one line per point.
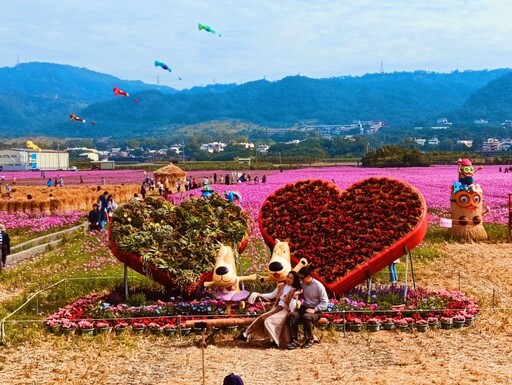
pixel 433 142
pixel 492 145
pixel 467 143
pixel 23 159
pixel 214 147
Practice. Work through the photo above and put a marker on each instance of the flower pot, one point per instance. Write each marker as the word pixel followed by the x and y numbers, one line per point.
pixel 87 332
pixel 468 321
pixel 104 330
pixel 402 328
pixel 422 328
pixel 388 326
pixel 68 331
pixel 55 329
pixel 446 325
pixel 356 327
pixel 338 327
pixel 229 329
pixel 433 325
pixel 185 331
pixel 155 331
pixel 458 324
pixel 138 330
pixel 120 330
pixel 373 327
pixel 169 332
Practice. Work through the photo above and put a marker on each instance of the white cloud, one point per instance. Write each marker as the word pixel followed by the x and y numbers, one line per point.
pixel 269 39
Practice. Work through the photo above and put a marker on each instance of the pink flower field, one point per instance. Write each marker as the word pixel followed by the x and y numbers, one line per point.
pixel 434 182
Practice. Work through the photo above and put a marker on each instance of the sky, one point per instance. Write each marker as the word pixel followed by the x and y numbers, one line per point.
pixel 260 39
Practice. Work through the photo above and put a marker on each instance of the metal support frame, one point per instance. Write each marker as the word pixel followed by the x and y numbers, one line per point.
pixel 408 259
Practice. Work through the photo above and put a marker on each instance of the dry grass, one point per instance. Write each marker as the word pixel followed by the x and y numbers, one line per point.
pixel 62 198
pixel 481 354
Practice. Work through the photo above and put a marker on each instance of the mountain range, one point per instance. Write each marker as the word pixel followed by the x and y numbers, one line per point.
pixel 37 98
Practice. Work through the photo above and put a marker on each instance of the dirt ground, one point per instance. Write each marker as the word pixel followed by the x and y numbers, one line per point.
pixel 481 354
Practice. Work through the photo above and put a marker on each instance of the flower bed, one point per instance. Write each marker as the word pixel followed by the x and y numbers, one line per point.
pixel 422 306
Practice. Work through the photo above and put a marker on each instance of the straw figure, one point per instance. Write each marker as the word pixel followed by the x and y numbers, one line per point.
pixel 467 206
pixel 169 175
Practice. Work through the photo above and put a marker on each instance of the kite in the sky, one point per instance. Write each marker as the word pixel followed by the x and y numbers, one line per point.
pixel 207 28
pixel 120 92
pixel 163 65
pixel 75 118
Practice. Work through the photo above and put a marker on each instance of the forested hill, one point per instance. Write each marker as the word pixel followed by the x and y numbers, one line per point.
pixel 493 102
pixel 37 98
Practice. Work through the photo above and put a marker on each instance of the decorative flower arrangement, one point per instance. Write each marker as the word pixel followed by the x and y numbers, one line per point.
pixel 102 324
pixel 459 318
pixel 422 322
pixel 153 325
pixel 323 225
pixel 84 324
pixel 138 325
pixel 446 320
pixel 373 321
pixel 67 324
pixel 400 322
pixel 121 325
pixel 169 326
pixel 179 240
pixel 357 321
pixel 356 310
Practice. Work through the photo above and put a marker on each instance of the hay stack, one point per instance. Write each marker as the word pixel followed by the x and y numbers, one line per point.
pixel 169 175
pixel 66 198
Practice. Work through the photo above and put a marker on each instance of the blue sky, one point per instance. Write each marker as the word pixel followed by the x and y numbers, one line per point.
pixel 260 38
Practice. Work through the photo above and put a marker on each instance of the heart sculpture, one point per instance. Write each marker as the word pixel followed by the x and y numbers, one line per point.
pixel 348 235
pixel 177 246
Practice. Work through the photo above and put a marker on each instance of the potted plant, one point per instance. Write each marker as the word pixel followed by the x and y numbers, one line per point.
pixel 338 324
pixel 421 325
pixel 468 321
pixel 185 331
pixel 154 328
pixel 373 324
pixel 68 327
pixel 86 327
pixel 54 326
pixel 388 324
pixel 169 329
pixel 433 322
pixel 356 325
pixel 458 321
pixel 138 327
pixel 446 322
pixel 401 324
pixel 103 327
pixel 120 327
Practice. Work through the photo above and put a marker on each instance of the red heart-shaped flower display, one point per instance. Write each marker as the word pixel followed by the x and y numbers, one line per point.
pixel 347 236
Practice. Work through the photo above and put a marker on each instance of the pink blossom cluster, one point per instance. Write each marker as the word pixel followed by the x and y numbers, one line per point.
pixel 37 221
pixel 433 182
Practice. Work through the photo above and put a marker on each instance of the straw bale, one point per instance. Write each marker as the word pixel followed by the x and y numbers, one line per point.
pixel 169 175
pixel 66 198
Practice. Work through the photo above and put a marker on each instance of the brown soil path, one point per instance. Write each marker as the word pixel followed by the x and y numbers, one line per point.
pixel 481 354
